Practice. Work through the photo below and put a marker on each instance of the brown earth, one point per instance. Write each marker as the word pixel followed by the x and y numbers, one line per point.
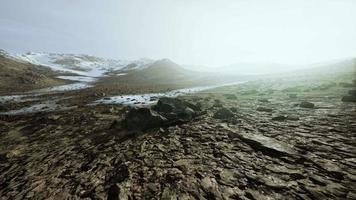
pixel 16 76
pixel 283 151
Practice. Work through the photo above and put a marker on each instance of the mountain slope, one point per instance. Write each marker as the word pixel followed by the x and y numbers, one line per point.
pixel 163 71
pixel 84 65
pixel 18 76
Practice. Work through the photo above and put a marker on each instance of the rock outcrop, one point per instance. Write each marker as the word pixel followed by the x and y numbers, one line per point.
pixel 306 104
pixel 167 112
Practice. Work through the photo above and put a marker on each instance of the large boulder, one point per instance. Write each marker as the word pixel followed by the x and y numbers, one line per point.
pixel 167 111
pixel 176 109
pixel 142 119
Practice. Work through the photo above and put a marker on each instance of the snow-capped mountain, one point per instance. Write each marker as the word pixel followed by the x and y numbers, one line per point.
pixel 83 65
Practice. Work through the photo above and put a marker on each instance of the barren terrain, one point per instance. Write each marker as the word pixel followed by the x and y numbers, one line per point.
pixel 264 139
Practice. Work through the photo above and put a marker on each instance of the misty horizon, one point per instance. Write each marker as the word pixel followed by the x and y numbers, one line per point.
pixel 178 99
pixel 195 33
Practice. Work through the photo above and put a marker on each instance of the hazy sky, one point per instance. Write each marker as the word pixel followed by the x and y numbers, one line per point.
pixel 200 32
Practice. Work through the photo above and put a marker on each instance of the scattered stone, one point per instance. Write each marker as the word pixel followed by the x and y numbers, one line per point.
pixel 230 96
pixel 254 195
pixel 351 195
pixel 279 118
pixel 174 175
pixel 263 100
pixel 292 118
pixel 348 99
pixel 264 109
pixel 292 96
pixel 315 193
pixel 223 113
pixel 249 92
pixel 306 104
pixel 210 187
pixel 169 194
pixel 352 93
pixel 346 85
pixel 233 109
pixel 217 103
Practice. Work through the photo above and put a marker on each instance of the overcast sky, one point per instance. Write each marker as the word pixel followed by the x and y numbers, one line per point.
pixel 199 32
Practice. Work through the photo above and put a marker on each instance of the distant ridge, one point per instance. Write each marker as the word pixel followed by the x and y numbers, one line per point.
pixel 19 76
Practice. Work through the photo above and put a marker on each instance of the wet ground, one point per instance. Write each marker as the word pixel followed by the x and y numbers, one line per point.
pixel 270 148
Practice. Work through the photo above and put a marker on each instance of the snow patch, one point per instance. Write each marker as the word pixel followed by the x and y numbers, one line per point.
pixel 82 65
pixel 78 78
pixel 151 98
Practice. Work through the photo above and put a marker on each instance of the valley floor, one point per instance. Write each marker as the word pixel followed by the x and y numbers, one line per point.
pixel 269 148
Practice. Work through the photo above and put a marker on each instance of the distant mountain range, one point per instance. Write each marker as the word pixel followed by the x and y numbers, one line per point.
pixel 164 71
pixel 84 65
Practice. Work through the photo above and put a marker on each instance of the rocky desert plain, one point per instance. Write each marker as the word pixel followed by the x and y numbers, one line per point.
pixel 285 136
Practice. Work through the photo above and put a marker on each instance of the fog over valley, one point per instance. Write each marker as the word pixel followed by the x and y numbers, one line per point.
pixel 178 99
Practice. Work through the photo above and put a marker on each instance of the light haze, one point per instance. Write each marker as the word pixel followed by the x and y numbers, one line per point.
pixel 194 32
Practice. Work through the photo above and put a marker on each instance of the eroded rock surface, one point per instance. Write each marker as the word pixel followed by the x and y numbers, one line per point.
pixel 77 155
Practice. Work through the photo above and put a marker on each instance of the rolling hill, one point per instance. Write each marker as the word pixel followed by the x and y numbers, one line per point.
pixel 19 76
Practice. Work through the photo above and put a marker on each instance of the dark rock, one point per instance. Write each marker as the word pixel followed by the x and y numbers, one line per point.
pixel 176 110
pixel 153 98
pixel 174 175
pixel 292 96
pixel 2 108
pixel 249 92
pixel 279 118
pixel 142 119
pixel 168 111
pixel 263 100
pixel 114 192
pixel 346 85
pixel 233 109
pixel 349 99
pixel 230 96
pixel 166 105
pixel 292 118
pixel 217 103
pixel 223 113
pixel 306 104
pixel 264 109
pixel 352 93
pixel 3 158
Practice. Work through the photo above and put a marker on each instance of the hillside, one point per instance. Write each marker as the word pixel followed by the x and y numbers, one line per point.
pixel 81 64
pixel 19 76
pixel 162 74
pixel 163 71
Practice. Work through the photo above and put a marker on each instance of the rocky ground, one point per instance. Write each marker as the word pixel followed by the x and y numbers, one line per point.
pixel 259 140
